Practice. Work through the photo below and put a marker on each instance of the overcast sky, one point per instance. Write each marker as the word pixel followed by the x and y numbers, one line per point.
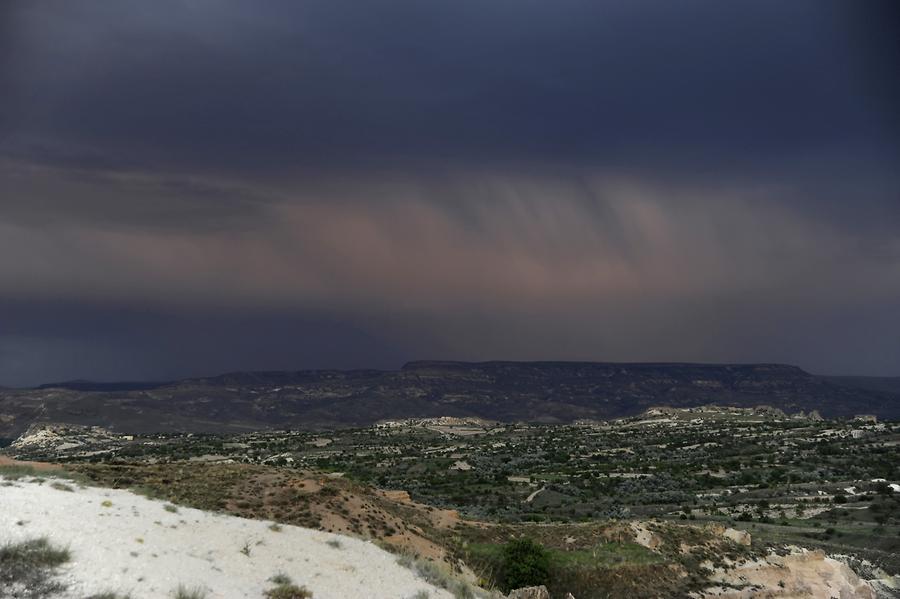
pixel 195 186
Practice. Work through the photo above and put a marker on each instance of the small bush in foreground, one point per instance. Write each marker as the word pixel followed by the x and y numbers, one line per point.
pixel 30 565
pixel 525 564
pixel 287 590
pixel 183 592
pixel 37 552
pixel 433 574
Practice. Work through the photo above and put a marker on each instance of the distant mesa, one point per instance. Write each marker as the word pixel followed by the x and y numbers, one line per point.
pixel 85 385
pixel 484 392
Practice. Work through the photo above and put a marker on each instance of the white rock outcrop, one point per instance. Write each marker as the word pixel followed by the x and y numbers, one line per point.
pixel 121 542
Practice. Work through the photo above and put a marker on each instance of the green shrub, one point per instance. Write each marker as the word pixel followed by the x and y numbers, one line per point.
pixel 37 552
pixel 281 578
pixel 183 592
pixel 288 591
pixel 525 564
pixel 435 575
pixel 31 565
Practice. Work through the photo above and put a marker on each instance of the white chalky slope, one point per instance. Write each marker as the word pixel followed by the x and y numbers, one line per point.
pixel 133 545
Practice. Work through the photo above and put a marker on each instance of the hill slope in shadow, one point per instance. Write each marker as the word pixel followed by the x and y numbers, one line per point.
pixel 503 391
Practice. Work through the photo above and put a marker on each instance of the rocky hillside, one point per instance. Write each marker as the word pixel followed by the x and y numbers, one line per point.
pixel 113 543
pixel 504 391
pixel 70 536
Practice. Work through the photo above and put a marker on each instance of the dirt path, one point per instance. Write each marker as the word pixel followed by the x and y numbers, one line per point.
pixel 8 461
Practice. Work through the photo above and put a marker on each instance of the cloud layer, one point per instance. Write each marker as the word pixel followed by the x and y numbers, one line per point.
pixel 192 187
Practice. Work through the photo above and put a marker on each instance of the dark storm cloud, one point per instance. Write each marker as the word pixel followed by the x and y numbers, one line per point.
pixel 52 341
pixel 194 186
pixel 208 84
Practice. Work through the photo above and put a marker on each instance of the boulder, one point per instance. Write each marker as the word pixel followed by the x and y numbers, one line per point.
pixel 529 593
pixel 741 537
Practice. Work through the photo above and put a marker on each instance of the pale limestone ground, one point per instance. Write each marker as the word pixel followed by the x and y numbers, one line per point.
pixel 126 543
pixel 801 575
